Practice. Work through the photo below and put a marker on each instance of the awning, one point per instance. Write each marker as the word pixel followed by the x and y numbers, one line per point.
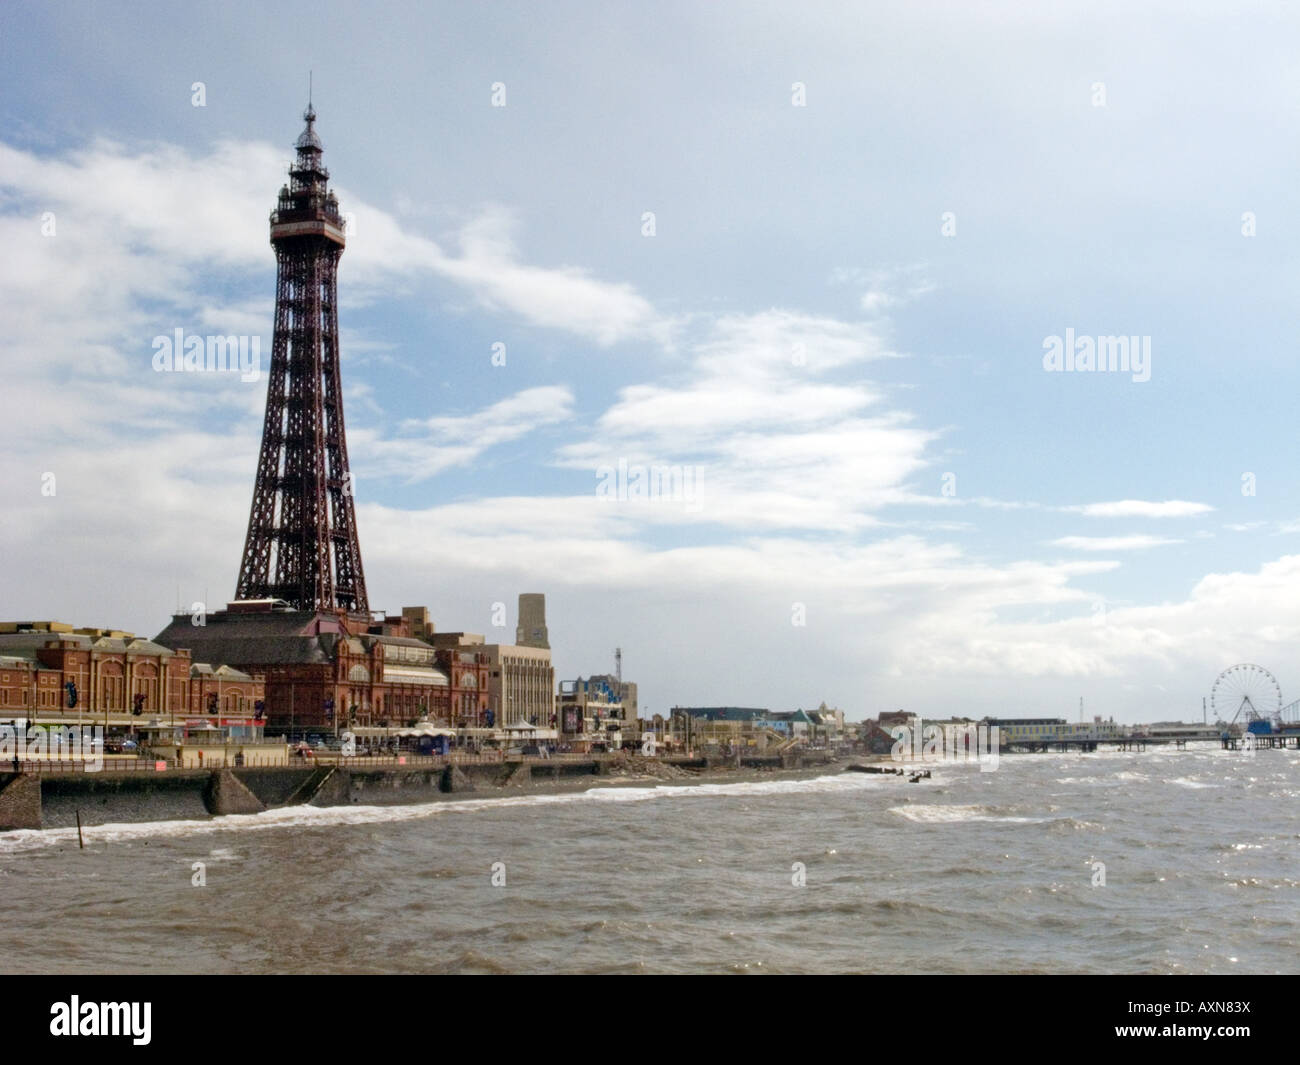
pixel 415 675
pixel 424 730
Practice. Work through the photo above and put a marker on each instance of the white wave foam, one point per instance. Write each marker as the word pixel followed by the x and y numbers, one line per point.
pixel 939 815
pixel 740 789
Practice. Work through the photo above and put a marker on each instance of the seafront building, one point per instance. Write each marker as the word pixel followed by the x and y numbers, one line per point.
pixel 52 673
pixel 592 711
pixel 623 691
pixel 326 672
pixel 520 681
pixel 521 685
pixel 828 722
pixel 753 726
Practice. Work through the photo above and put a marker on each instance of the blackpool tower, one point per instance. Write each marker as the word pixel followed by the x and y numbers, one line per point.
pixel 302 544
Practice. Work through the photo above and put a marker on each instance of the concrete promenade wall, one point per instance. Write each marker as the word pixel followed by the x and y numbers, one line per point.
pixel 20 802
pixel 53 800
pixel 105 798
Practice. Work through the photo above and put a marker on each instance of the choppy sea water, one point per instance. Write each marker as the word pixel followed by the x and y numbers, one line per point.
pixel 968 872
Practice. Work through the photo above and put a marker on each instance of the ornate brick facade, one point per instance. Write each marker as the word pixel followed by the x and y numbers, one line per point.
pixel 113 673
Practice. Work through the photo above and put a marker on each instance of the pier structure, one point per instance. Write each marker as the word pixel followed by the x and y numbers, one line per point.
pixel 1123 742
pixel 1288 739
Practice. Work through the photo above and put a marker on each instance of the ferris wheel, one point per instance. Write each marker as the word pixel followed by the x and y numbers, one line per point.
pixel 1247 691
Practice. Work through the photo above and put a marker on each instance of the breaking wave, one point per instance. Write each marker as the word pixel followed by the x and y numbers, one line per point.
pixel 942 815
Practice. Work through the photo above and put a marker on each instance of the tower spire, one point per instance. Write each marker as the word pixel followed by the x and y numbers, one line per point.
pixel 302 543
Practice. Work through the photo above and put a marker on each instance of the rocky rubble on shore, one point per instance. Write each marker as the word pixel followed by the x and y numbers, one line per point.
pixel 636 765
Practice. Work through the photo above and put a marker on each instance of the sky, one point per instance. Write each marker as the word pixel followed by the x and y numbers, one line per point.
pixel 814 258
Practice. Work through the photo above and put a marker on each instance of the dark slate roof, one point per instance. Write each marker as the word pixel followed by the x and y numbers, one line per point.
pixel 286 637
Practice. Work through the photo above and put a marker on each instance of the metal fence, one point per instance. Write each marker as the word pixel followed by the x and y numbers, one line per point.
pixel 146 763
pixel 55 765
pixel 360 761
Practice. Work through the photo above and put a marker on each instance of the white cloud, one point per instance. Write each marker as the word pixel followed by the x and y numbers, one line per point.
pixel 431 445
pixel 1112 543
pixel 1140 508
pixel 162 218
pixel 885 289
pixel 778 440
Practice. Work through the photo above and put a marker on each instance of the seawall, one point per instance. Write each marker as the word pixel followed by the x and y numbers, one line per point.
pixel 52 800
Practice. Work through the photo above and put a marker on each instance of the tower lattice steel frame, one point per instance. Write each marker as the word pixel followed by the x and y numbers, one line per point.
pixel 302 511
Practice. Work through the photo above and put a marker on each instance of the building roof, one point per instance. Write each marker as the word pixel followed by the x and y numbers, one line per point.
pixel 27 643
pixel 202 669
pixel 140 646
pixel 400 641
pixel 724 713
pixel 445 640
pixel 288 637
pixel 514 650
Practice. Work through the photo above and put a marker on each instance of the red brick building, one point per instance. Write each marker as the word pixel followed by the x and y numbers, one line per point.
pixel 327 670
pixel 114 673
pixel 467 701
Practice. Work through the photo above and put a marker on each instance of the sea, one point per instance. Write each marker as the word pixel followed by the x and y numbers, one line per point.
pixel 1159 861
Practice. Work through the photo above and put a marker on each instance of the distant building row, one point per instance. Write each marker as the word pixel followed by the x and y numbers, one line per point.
pixel 695 726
